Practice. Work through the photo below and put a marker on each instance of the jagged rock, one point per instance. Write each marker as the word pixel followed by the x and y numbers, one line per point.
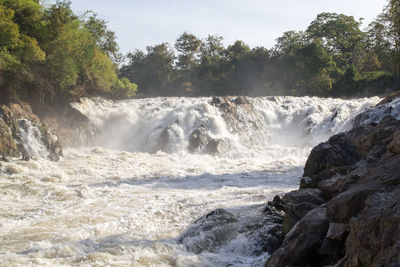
pixel 237 109
pixel 20 127
pixel 8 148
pixel 358 174
pixel 297 204
pixel 301 243
pixel 349 203
pixel 300 202
pixel 374 238
pixel 241 100
pixel 327 156
pixel 394 145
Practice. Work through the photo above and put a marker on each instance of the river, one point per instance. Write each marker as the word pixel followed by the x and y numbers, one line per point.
pixel 135 197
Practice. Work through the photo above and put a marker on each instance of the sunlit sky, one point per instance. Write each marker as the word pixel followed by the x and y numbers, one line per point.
pixel 141 23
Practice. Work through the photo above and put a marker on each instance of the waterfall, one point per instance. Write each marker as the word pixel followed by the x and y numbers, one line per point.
pixel 228 127
pixel 169 181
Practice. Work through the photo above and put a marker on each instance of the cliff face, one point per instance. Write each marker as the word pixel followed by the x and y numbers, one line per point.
pixel 347 210
pixel 22 134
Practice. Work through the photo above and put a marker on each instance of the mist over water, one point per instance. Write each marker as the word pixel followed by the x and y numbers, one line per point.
pixel 132 198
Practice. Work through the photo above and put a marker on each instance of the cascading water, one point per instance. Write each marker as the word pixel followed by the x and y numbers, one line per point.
pixel 31 139
pixel 139 197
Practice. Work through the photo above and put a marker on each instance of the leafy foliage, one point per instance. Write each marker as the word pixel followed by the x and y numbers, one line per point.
pixel 332 57
pixel 49 54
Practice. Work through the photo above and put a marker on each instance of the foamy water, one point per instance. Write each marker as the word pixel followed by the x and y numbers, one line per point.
pixel 116 204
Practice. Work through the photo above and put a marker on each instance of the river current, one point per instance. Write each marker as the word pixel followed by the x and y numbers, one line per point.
pixel 129 199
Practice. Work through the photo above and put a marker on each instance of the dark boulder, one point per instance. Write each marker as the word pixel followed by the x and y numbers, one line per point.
pixel 328 156
pixel 260 227
pixel 297 204
pixel 300 246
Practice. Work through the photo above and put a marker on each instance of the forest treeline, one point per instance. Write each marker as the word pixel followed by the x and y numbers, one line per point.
pixel 332 57
pixel 48 54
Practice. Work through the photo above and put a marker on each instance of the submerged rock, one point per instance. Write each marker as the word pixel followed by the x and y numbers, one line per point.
pixel 201 142
pixel 253 231
pixel 198 140
pixel 353 211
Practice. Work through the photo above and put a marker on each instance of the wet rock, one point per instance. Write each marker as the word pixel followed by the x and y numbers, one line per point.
pixel 215 101
pixel 336 152
pixel 300 202
pixel 218 146
pixel 201 142
pixel 209 232
pixel 297 204
pixel 198 140
pixel 240 100
pixel 238 113
pixel 169 138
pixel 300 246
pixel 20 129
pixel 389 98
pixel 252 230
pixel 8 148
pixel 358 174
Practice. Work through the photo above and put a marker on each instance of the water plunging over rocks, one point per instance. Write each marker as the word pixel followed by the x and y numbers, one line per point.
pixel 169 181
pixel 22 134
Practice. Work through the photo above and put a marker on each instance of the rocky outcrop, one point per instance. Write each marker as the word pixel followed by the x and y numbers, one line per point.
pixel 347 210
pixel 22 134
pixel 237 109
pixel 72 128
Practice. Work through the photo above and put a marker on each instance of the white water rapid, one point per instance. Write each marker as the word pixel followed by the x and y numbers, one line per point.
pixel 159 165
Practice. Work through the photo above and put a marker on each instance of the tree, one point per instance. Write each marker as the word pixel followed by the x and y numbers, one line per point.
pixel 188 46
pixel 104 38
pixel 153 71
pixel 17 51
pixel 391 15
pixel 340 34
pixel 290 41
pixel 379 47
pixel 212 49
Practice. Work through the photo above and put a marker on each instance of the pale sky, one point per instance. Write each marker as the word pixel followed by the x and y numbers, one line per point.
pixel 141 23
